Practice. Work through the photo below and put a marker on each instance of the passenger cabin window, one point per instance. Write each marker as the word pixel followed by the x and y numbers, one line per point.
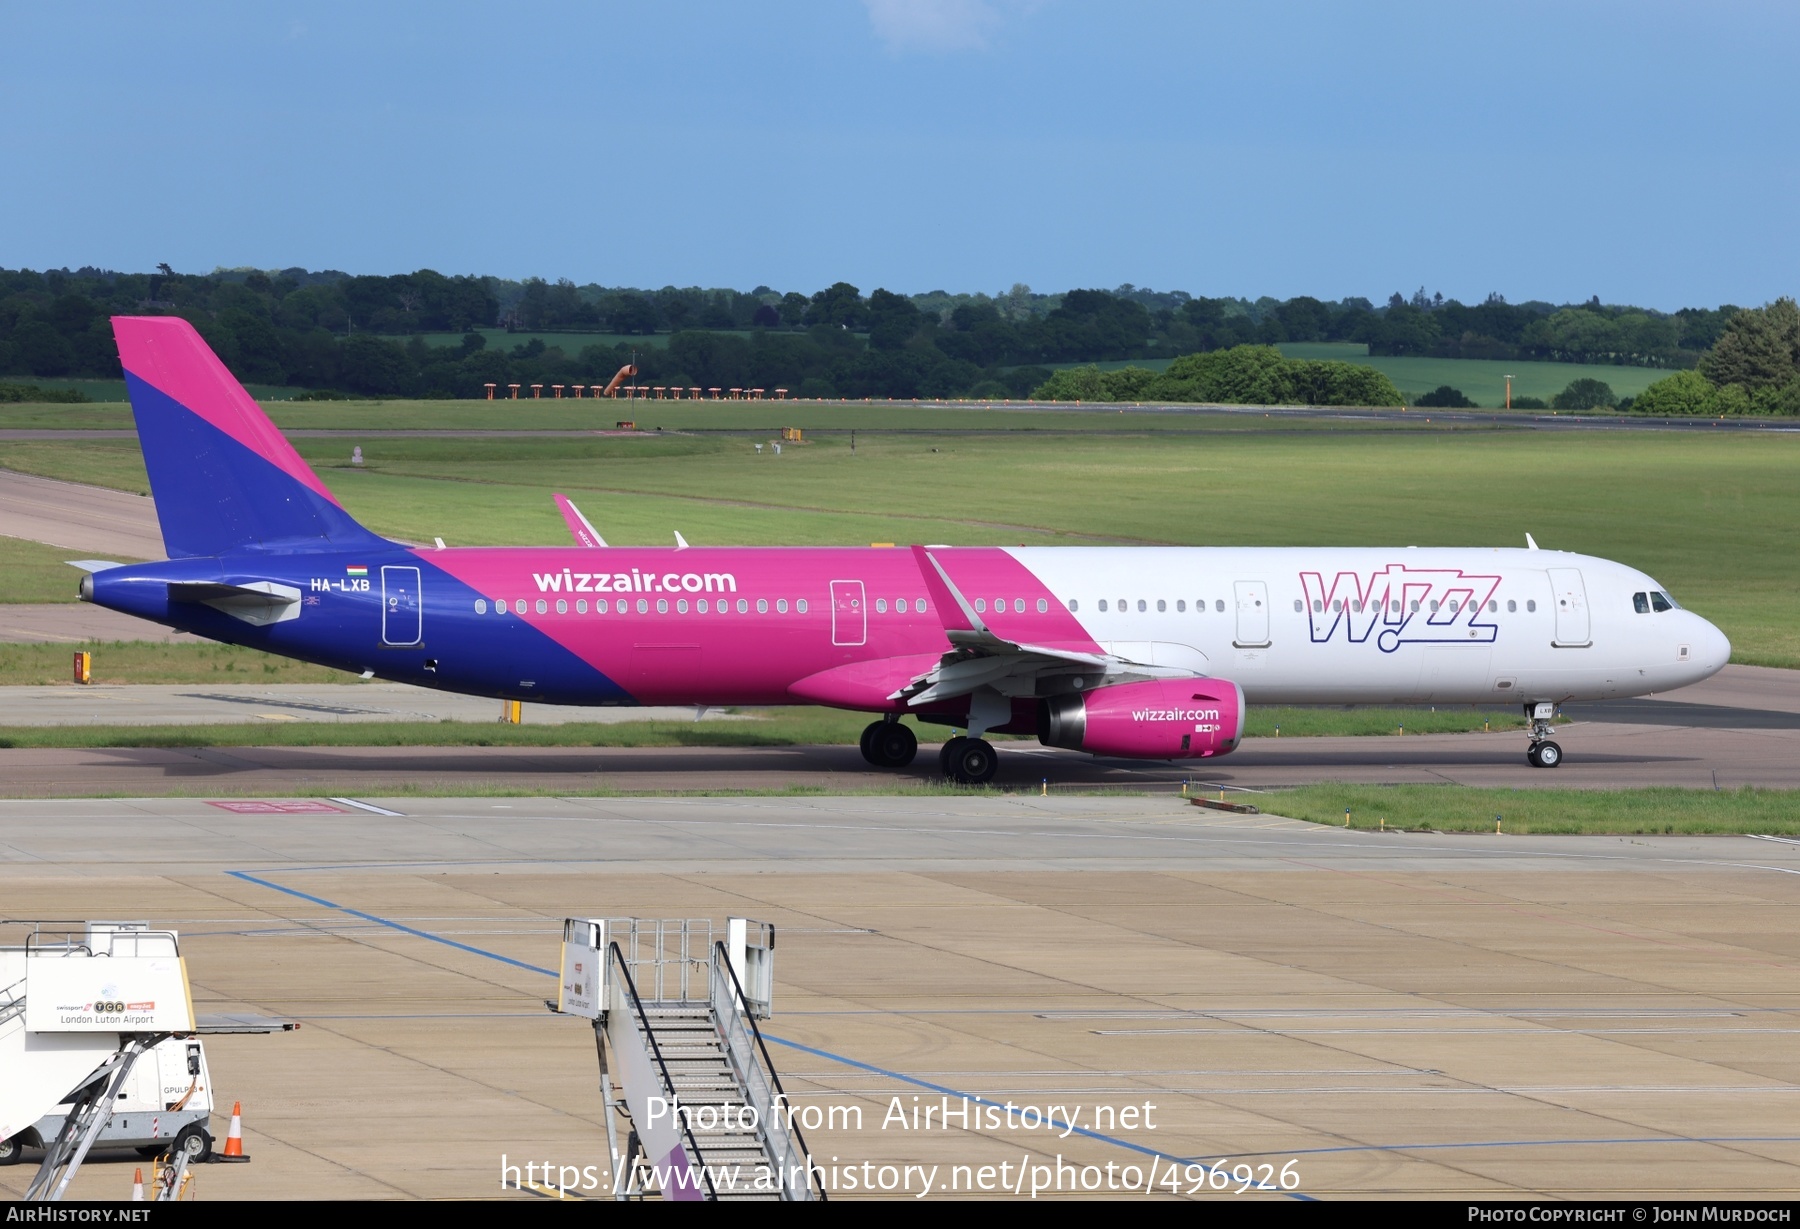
pixel 1181 606
pixel 1141 606
pixel 1297 606
pixel 1415 606
pixel 1512 607
pixel 1043 606
pixel 1531 605
pixel 1318 606
pixel 1074 605
pixel 1161 605
pixel 1102 605
pixel 1659 602
pixel 1219 606
pixel 1640 602
pixel 981 605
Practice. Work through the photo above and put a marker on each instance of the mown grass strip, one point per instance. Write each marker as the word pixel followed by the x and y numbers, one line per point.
pixel 1456 808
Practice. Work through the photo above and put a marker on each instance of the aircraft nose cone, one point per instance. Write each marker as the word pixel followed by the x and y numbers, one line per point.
pixel 1713 649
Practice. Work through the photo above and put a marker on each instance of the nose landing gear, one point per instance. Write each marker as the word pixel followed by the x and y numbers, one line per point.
pixel 1542 753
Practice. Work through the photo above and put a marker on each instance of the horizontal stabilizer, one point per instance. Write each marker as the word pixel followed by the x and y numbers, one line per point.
pixel 93 565
pixel 259 602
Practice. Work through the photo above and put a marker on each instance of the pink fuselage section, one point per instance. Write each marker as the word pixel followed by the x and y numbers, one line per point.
pixel 746 625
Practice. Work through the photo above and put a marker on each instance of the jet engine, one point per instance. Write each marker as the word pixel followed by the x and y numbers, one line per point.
pixel 1162 719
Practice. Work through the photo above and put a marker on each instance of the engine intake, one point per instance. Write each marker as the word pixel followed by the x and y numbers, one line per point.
pixel 1163 719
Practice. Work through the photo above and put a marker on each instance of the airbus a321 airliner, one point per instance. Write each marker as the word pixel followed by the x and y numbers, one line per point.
pixel 1143 652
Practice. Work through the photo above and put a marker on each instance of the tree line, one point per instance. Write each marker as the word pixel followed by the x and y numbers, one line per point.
pixel 365 336
pixel 1754 368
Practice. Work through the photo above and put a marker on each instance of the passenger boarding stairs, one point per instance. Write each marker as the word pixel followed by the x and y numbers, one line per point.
pixel 674 1006
pixel 78 1008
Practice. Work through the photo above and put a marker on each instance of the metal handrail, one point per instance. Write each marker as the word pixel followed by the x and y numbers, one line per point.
pixel 668 1081
pixel 745 1019
pixel 14 1004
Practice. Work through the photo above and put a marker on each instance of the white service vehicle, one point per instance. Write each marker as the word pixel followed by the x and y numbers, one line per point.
pixel 166 1105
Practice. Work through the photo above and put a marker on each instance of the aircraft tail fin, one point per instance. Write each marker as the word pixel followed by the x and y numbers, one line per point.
pixel 223 476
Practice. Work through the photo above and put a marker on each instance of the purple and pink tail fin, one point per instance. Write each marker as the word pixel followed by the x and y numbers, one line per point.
pixel 224 477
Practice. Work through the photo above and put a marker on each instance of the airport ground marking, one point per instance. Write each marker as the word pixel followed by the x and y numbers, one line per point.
pixel 847 1061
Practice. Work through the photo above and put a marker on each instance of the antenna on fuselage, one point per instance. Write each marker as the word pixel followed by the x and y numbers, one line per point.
pixel 680 542
pixel 1530 542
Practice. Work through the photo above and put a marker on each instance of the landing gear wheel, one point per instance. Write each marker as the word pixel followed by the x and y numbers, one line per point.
pixel 194 1141
pixel 947 755
pixel 974 762
pixel 888 744
pixel 11 1151
pixel 1531 756
pixel 1549 755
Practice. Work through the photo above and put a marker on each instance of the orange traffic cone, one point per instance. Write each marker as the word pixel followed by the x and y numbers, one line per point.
pixel 234 1140
pixel 137 1185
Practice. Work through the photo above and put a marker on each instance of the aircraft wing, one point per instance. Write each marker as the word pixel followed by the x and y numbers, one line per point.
pixel 584 533
pixel 979 657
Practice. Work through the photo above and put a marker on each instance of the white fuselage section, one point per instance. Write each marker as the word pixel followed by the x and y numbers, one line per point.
pixel 1387 625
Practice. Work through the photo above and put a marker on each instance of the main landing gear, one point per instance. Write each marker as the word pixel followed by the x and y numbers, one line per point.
pixel 968 761
pixel 888 744
pixel 1542 753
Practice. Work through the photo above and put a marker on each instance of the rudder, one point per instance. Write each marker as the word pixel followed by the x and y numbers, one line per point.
pixel 223 476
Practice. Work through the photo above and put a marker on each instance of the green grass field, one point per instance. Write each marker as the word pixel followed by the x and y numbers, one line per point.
pixel 34 572
pixel 1708 516
pixel 1483 381
pixel 1455 808
pixel 144 661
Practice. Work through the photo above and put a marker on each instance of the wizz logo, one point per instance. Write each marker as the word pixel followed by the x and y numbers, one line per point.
pixel 1400 605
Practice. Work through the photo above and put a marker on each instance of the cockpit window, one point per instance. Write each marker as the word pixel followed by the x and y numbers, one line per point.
pixel 1660 602
pixel 1640 602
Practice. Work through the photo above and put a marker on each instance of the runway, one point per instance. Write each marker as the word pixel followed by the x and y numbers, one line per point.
pixel 1394 1015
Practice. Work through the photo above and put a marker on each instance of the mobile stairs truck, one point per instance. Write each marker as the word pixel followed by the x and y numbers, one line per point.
pixel 99 1044
pixel 674 1005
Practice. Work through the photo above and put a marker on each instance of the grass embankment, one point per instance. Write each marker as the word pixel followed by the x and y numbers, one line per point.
pixel 1455 808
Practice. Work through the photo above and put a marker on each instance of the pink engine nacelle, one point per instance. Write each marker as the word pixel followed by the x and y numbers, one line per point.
pixel 1163 719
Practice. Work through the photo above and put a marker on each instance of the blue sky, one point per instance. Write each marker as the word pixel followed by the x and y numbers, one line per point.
pixel 1644 152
